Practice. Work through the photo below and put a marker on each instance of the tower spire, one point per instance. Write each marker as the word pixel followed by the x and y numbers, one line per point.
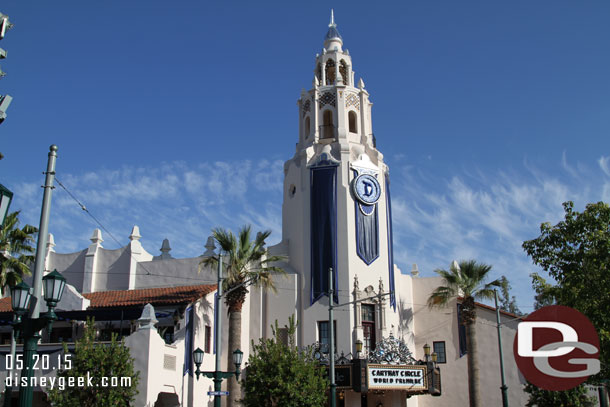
pixel 333 38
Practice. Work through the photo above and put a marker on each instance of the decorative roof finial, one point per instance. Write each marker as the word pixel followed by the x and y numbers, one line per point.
pixel 332 18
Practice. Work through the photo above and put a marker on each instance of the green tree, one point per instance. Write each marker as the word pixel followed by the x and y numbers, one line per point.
pixel 97 360
pixel 576 254
pixel 283 375
pixel 468 281
pixel 544 291
pixel 16 251
pixel 576 397
pixel 246 262
pixel 508 302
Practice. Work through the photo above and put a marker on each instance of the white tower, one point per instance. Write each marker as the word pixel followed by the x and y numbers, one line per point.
pixel 336 210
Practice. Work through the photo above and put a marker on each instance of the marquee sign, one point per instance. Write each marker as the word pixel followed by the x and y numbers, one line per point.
pixel 397 377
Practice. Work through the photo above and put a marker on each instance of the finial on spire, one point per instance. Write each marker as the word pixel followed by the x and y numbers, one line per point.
pixel 332 18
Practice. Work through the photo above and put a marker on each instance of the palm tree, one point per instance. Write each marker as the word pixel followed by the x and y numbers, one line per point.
pixel 246 262
pixel 468 281
pixel 16 251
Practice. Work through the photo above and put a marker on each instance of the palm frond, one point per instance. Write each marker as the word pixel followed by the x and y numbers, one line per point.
pixel 16 247
pixel 467 280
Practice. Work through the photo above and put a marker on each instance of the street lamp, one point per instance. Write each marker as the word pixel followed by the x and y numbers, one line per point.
pixel 20 298
pixel 198 357
pixel 358 348
pixel 427 351
pixel 29 328
pixel 6 197
pixel 238 355
pixel 217 375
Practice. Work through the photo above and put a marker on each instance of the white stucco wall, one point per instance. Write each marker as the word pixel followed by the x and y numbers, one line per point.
pixel 442 325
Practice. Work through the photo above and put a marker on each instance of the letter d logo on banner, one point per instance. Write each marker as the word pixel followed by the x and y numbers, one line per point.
pixel 556 348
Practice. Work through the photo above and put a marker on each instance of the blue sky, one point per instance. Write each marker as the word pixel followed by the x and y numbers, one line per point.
pixel 178 116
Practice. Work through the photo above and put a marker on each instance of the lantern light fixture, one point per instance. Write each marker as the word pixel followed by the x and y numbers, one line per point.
pixel 20 298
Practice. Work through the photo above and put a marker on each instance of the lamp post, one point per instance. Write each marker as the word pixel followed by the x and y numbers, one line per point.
pixel 29 328
pixel 504 387
pixel 6 197
pixel 218 375
pixel 427 351
pixel 331 341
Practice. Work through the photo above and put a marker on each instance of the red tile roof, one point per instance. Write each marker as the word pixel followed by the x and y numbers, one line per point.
pixel 155 296
pixel 126 298
pixel 5 305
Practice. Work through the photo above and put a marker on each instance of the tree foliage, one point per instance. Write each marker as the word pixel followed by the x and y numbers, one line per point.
pixel 283 375
pixel 466 279
pixel 97 360
pixel 576 254
pixel 246 260
pixel 508 302
pixel 576 397
pixel 16 251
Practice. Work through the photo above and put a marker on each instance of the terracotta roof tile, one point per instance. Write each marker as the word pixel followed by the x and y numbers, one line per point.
pixel 5 305
pixel 126 298
pixel 155 296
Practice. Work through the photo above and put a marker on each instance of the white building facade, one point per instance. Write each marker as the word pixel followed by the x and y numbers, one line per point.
pixel 336 215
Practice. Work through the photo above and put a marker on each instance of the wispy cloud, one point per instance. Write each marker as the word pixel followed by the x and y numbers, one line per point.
pixel 604 164
pixel 472 214
pixel 486 216
pixel 172 200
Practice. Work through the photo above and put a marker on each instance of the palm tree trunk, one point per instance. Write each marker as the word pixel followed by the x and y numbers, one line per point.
pixel 473 366
pixel 233 385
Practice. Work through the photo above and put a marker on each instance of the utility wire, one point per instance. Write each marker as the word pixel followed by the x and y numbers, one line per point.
pixel 84 208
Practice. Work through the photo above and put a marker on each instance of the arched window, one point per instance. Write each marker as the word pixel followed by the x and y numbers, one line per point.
pixel 353 121
pixel 319 72
pixel 327 125
pixel 343 71
pixel 330 72
pixel 307 128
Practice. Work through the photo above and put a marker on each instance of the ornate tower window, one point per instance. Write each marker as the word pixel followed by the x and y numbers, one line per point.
pixel 353 122
pixel 330 72
pixel 343 71
pixel 368 327
pixel 319 72
pixel 327 125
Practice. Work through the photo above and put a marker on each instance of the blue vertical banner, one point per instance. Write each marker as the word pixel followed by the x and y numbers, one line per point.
pixel 188 342
pixel 390 241
pixel 323 215
pixel 367 230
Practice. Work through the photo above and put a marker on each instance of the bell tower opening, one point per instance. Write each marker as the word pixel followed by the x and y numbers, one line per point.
pixel 330 72
pixel 353 121
pixel 343 71
pixel 328 128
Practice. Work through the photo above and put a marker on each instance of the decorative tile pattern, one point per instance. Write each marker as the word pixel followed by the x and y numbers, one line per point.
pixel 306 107
pixel 328 98
pixel 352 100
